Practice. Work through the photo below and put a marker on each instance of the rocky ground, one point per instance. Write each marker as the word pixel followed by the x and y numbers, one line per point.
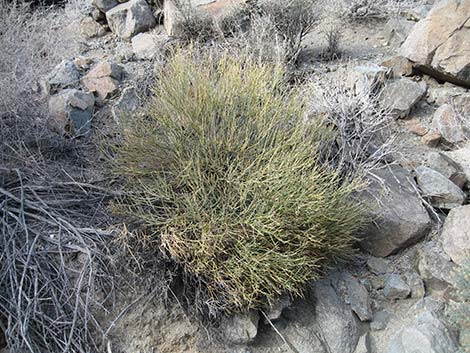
pixel 392 298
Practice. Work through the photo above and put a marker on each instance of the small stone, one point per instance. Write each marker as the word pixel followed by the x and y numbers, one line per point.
pixel 435 267
pixel 415 126
pixel 130 18
pixel 71 112
pixel 447 123
pixel 83 62
pixel 456 234
pixel 431 139
pixel 401 95
pixel 103 79
pixel 363 345
pixel 147 46
pixel 241 328
pixel 274 311
pixel 377 265
pixel 127 103
pixel 446 166
pixel 337 323
pixel 64 75
pixel 380 320
pixel 398 66
pixel 396 288
pixel 353 293
pixel 416 284
pixel 440 191
pixel 89 28
pixel 461 157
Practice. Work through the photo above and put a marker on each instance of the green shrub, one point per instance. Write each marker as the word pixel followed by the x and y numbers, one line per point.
pixel 459 312
pixel 224 173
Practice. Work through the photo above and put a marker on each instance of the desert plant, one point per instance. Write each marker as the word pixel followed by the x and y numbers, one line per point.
pixel 292 19
pixel 459 311
pixel 224 176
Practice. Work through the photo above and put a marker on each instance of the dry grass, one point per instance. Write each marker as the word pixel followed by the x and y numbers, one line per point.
pixel 32 42
pixel 224 176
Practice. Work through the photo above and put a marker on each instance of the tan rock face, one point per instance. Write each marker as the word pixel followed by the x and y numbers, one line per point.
pixel 441 42
pixel 446 121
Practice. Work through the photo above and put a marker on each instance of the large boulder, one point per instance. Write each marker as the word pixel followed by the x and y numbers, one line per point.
pixel 440 43
pixel 435 267
pixel 400 219
pixel 71 112
pixel 427 334
pixel 401 95
pixel 104 5
pixel 456 234
pixel 216 9
pixel 130 18
pixel 440 191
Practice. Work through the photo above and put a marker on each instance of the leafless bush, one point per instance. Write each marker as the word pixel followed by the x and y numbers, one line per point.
pixel 32 43
pixel 361 137
pixel 293 20
pixel 333 38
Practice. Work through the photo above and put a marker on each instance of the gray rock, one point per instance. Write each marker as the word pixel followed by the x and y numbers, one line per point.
pixel 274 311
pixel 363 345
pixel 461 157
pixel 104 5
pixel 444 94
pixel 416 284
pixel 353 293
pixel 303 339
pixel 127 103
pixel 335 319
pixel 378 265
pixel 456 234
pixel 399 217
pixel 396 288
pixel 241 328
pixel 147 46
pixel 447 167
pixel 380 320
pixel 71 112
pixel 89 28
pixel 447 122
pixel 439 43
pixel 427 334
pixel 435 267
pixel 64 75
pixel 130 18
pixel 401 95
pixel 440 191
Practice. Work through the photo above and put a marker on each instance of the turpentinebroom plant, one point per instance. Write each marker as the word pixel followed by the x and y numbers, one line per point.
pixel 224 175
